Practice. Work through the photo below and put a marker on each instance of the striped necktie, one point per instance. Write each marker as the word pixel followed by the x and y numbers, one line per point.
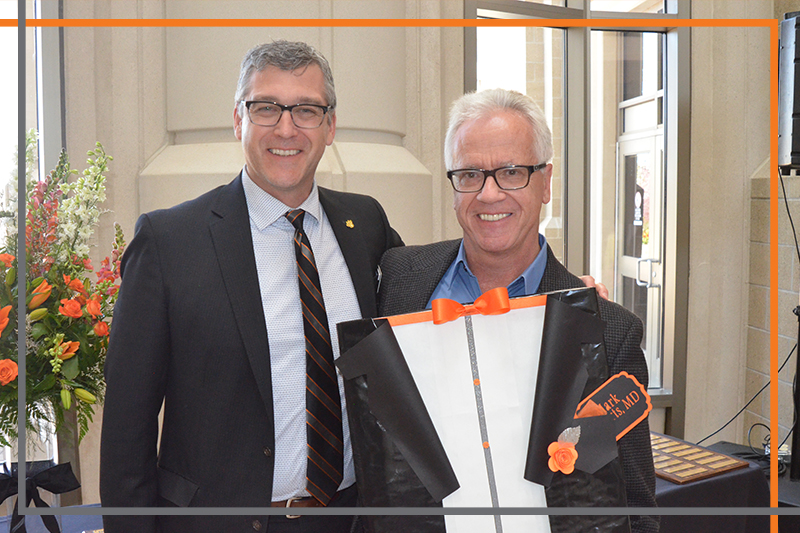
pixel 323 405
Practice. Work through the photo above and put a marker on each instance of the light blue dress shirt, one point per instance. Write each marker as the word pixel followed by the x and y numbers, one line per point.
pixel 273 245
pixel 461 285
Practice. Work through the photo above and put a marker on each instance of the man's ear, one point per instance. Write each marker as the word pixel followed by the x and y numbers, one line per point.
pixel 331 127
pixel 547 173
pixel 237 121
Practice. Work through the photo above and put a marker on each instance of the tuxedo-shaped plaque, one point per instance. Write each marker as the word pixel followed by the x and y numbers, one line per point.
pixel 485 406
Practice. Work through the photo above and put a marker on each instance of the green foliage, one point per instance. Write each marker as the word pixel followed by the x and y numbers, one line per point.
pixel 68 314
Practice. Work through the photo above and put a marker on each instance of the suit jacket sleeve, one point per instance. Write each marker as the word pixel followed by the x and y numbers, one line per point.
pixel 135 372
pixel 634 448
pixel 623 337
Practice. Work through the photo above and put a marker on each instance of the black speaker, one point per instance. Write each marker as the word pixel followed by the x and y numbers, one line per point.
pixel 789 93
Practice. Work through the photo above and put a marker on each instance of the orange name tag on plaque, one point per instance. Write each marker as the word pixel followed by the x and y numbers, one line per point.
pixel 621 396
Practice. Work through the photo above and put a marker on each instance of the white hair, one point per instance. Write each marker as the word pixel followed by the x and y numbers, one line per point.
pixel 476 105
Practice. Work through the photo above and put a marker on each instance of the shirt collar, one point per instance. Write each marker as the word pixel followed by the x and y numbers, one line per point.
pixel 264 209
pixel 461 267
pixel 530 279
pixel 534 273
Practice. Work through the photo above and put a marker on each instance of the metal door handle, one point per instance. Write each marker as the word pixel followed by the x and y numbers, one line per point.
pixel 652 274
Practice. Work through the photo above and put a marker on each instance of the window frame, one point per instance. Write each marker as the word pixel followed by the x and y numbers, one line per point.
pixel 577 164
pixel 50 94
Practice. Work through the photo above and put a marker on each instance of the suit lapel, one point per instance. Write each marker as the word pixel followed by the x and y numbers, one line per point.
pixel 233 242
pixel 555 277
pixel 430 273
pixel 427 270
pixel 352 245
pixel 407 289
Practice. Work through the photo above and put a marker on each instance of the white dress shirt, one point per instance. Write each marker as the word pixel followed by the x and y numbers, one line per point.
pixel 273 244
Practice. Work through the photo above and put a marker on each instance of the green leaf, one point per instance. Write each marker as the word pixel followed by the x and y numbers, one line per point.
pixel 47 383
pixel 70 368
pixel 38 329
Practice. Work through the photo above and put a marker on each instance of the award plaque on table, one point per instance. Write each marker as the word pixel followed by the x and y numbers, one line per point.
pixel 500 404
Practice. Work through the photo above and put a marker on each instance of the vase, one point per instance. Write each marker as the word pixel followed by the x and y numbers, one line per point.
pixel 40 454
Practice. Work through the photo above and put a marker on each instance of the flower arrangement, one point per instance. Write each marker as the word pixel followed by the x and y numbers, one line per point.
pixel 67 319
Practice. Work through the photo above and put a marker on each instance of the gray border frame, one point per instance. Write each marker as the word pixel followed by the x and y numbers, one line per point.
pixel 681 107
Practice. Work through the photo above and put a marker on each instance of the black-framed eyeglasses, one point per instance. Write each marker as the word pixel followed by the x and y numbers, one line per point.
pixel 306 116
pixel 508 178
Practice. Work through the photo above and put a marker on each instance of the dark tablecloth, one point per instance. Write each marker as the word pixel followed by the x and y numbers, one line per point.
pixel 745 487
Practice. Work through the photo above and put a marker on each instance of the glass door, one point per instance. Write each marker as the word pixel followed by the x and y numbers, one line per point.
pixel 639 260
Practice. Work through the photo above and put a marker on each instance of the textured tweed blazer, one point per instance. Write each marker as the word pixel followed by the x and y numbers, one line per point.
pixel 411 274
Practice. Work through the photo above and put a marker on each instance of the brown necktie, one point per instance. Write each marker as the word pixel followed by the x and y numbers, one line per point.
pixel 323 405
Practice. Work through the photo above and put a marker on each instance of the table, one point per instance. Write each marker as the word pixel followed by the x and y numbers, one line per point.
pixel 788 496
pixel 745 487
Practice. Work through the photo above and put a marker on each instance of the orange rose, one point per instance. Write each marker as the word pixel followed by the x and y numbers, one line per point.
pixel 40 294
pixel 6 259
pixel 70 308
pixel 8 371
pixel 74 284
pixel 562 457
pixel 4 318
pixel 70 349
pixel 101 329
pixel 93 308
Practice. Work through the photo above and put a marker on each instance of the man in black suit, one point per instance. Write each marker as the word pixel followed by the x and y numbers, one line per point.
pixel 209 320
pixel 498 209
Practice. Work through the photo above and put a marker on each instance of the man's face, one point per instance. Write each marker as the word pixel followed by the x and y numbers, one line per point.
pixel 282 159
pixel 500 224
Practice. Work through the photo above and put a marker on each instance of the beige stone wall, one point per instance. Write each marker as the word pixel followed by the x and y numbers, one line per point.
pixel 730 142
pixel 758 324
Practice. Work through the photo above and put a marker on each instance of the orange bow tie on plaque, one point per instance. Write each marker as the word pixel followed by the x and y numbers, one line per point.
pixel 493 302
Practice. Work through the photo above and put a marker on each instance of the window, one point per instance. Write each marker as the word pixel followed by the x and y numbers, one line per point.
pixel 611 96
pixel 8 99
pixel 628 140
pixel 8 108
pixel 43 102
pixel 531 61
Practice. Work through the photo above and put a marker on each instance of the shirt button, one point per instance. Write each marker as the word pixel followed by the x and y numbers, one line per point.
pixel 267 452
pixel 256 525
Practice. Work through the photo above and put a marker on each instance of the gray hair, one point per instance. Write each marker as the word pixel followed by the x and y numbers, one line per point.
pixel 476 105
pixel 286 55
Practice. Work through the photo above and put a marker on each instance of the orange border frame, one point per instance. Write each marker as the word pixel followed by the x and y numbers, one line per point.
pixel 772 24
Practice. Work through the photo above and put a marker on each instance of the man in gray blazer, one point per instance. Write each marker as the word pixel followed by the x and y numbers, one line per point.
pixel 498 147
pixel 208 321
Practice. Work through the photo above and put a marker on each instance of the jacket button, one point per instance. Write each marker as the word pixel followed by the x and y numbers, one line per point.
pixel 267 452
pixel 256 525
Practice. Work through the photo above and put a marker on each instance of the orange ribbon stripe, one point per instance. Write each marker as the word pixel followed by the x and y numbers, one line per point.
pixel 493 302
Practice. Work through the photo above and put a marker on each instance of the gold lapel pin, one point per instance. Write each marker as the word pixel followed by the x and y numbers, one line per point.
pixel 349 224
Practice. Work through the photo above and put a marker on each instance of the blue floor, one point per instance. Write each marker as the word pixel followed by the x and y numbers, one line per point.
pixel 68 523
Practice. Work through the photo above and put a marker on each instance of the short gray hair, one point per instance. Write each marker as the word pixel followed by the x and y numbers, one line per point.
pixel 286 55
pixel 476 105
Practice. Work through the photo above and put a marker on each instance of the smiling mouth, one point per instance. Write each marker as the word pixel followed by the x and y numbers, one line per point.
pixel 283 153
pixel 493 218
